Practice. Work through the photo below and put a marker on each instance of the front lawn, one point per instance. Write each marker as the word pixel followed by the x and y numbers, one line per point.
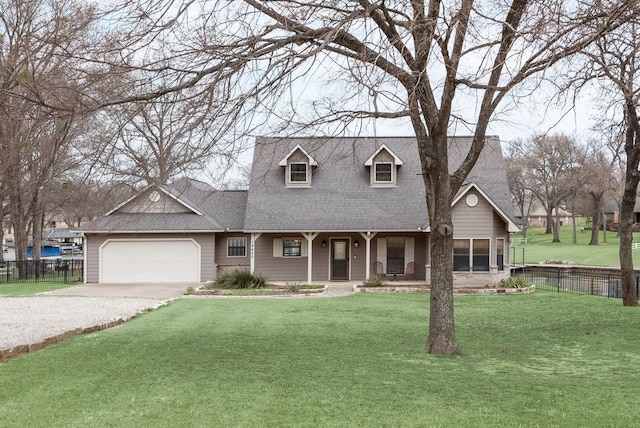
pixel 543 359
pixel 29 288
pixel 540 248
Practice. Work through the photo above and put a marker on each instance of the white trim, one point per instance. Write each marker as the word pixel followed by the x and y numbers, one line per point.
pixel 417 230
pixel 285 160
pixel 85 252
pixel 396 159
pixel 252 262
pixel 511 226
pixel 160 232
pixel 368 236
pixel 310 236
pixel 107 241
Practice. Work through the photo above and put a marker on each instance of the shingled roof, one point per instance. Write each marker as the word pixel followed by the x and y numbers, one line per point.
pixel 215 211
pixel 341 197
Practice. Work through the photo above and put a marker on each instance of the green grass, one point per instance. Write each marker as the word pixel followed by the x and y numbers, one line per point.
pixel 29 288
pixel 534 360
pixel 539 248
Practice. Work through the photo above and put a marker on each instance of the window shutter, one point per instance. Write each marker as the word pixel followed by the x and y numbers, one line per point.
pixel 303 248
pixel 409 250
pixel 277 247
pixel 382 253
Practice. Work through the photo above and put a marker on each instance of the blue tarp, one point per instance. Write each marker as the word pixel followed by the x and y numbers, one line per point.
pixel 46 251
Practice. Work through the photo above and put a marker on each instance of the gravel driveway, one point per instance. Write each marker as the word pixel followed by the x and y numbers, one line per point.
pixel 32 322
pixel 29 320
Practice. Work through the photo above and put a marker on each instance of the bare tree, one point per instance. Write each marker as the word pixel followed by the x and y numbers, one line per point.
pixel 599 183
pixel 39 41
pixel 160 139
pixel 551 165
pixel 425 62
pixel 614 62
pixel 521 192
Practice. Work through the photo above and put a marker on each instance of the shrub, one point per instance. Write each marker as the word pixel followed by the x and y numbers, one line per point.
pixel 239 279
pixel 375 281
pixel 514 282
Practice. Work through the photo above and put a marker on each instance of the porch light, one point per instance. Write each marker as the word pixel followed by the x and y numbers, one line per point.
pixel 356 244
pixel 324 243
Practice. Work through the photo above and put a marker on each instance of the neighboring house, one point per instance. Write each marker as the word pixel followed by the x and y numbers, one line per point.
pixel 611 211
pixel 317 210
pixel 538 216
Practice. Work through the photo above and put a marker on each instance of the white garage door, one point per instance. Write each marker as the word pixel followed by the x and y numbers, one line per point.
pixel 152 260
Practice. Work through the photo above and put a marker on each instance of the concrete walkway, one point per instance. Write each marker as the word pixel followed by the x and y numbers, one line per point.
pixel 151 291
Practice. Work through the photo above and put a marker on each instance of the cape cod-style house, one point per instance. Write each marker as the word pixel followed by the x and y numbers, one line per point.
pixel 317 210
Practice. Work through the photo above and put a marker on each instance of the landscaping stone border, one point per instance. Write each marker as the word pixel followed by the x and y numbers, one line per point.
pixel 456 291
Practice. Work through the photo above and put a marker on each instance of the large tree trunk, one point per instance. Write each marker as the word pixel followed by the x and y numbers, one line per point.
pixel 549 228
pixel 441 325
pixel 595 230
pixel 629 295
pixel 556 226
pixel 627 218
pixel 438 184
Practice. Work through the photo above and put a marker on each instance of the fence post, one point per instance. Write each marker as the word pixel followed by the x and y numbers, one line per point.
pixel 558 280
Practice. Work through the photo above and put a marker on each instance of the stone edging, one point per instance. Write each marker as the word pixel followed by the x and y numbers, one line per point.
pixel 458 292
pixel 8 353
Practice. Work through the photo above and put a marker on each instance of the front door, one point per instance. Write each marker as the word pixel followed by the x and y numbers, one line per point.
pixel 340 259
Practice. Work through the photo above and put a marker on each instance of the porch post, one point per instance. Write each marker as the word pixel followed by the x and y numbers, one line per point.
pixel 368 236
pixel 310 237
pixel 254 238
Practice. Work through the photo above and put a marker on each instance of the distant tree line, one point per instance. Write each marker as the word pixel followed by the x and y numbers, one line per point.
pixel 556 171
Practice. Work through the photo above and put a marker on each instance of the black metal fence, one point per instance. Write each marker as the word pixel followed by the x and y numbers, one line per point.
pixel 596 282
pixel 59 270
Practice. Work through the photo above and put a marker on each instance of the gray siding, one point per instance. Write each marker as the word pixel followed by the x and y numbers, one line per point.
pixel 142 204
pixel 278 268
pixel 225 263
pixel 473 222
pixel 205 240
pixel 295 269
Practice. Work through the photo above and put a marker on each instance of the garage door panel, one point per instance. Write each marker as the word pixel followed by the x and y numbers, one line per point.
pixel 150 261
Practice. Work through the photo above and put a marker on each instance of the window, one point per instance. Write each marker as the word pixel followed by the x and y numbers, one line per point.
pixel 291 247
pixel 461 252
pixel 298 173
pixel 383 172
pixel 481 255
pixel 395 255
pixel 236 247
pixel 500 253
pixel 471 255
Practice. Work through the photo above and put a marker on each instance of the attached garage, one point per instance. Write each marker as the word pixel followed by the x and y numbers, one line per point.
pixel 149 260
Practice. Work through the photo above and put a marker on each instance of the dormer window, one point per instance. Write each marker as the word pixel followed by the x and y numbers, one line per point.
pixel 298 166
pixel 383 172
pixel 383 167
pixel 298 173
